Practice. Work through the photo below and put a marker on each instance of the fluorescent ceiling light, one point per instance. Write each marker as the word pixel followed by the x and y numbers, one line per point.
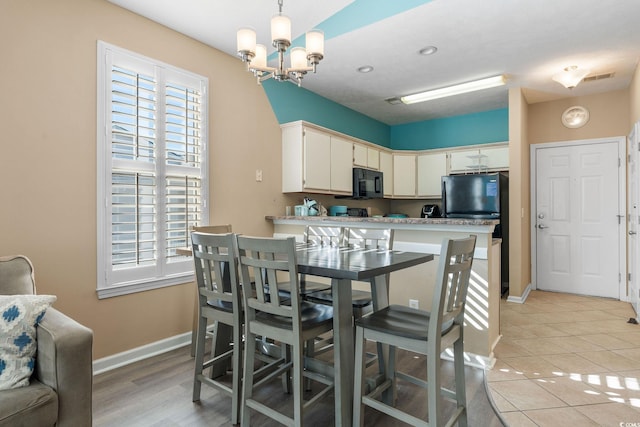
pixel 454 90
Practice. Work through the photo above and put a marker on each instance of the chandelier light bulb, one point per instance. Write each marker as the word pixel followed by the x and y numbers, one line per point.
pixel 302 59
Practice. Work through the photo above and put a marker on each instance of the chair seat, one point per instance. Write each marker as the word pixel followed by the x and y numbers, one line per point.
pixel 310 315
pixel 359 298
pixel 401 321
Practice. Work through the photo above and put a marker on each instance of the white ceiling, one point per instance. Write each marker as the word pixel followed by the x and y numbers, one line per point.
pixel 527 40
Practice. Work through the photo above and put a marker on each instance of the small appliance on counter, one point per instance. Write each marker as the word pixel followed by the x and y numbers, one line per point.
pixel 430 211
pixel 362 212
pixel 338 211
pixel 313 208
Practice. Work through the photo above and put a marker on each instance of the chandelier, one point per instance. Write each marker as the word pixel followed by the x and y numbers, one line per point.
pixel 302 60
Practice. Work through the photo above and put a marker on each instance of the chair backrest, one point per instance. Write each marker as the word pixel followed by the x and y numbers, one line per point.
pixel 323 235
pixel 374 238
pixel 16 276
pixel 263 258
pixel 216 268
pixel 452 281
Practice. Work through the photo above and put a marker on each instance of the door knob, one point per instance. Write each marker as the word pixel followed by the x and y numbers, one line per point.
pixel 631 233
pixel 541 226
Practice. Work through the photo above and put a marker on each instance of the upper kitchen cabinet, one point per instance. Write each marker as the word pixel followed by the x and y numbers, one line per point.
pixel 479 159
pixel 404 175
pixel 431 168
pixel 341 167
pixel 366 157
pixel 386 167
pixel 315 161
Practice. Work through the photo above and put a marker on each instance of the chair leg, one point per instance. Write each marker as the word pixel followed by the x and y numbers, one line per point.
pixel 461 392
pixel 247 381
pixel 433 386
pixel 358 379
pixel 298 386
pixel 286 376
pixel 310 352
pixel 199 356
pixel 236 375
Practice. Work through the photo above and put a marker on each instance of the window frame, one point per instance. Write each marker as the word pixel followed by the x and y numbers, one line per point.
pixel 112 281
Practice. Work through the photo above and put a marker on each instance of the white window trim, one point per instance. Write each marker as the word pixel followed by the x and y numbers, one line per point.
pixel 176 272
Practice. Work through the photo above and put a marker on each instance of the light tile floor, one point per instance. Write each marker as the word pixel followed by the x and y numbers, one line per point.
pixel 567 360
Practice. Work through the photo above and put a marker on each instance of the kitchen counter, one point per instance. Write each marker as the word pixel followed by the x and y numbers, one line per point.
pixel 482 323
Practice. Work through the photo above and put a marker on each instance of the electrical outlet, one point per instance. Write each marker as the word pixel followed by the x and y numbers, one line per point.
pixel 413 303
pixel 259 175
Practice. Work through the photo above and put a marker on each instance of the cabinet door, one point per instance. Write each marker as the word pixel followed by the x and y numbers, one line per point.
pixel 341 166
pixel 404 175
pixel 317 160
pixel 373 158
pixel 386 167
pixel 431 168
pixel 497 157
pixel 360 155
pixel 467 161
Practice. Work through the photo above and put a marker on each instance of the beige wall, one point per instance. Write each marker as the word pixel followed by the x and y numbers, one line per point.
pixel 608 116
pixel 48 156
pixel 519 238
pixel 634 95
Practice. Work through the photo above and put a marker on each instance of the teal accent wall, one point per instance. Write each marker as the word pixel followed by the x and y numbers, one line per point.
pixel 291 103
pixel 469 129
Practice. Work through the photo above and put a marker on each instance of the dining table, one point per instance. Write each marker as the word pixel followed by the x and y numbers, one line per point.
pixel 343 265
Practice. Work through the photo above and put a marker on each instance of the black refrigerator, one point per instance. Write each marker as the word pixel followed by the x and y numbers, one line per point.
pixel 481 196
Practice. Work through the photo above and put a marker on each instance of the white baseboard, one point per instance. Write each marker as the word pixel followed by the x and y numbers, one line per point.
pixel 140 353
pixel 520 299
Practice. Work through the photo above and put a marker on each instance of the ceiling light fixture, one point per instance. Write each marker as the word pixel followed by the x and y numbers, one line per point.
pixel 570 76
pixel 429 50
pixel 365 69
pixel 454 90
pixel 302 60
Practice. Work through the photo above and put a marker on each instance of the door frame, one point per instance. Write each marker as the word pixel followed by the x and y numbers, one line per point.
pixel 622 204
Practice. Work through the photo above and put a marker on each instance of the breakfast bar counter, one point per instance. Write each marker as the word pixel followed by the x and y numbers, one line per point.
pixel 482 323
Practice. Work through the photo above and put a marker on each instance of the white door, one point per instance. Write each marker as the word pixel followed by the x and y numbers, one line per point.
pixel 577 218
pixel 633 218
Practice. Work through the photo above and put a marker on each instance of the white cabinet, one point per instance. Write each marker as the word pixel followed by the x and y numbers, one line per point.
pixel 366 157
pixel 497 157
pixel 341 167
pixel 404 175
pixel 431 168
pixel 386 167
pixel 314 161
pixel 317 160
pixel 479 159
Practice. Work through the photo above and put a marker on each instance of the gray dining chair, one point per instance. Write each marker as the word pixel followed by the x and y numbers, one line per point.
pixel 215 261
pixel 212 229
pixel 292 322
pixel 423 332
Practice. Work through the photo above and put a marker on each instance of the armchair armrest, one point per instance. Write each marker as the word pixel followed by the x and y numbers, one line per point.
pixel 64 363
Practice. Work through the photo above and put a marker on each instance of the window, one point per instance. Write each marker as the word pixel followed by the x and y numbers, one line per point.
pixel 152 174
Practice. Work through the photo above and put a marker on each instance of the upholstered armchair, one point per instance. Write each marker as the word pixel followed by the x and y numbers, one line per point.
pixel 59 390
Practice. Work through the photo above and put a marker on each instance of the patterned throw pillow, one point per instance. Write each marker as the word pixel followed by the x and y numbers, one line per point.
pixel 19 316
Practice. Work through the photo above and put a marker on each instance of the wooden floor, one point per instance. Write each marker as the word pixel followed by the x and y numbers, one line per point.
pixel 157 392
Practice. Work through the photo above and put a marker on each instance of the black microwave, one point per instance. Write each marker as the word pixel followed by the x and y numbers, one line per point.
pixel 367 184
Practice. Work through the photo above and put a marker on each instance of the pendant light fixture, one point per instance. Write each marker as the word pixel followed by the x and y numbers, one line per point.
pixel 302 59
pixel 570 76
